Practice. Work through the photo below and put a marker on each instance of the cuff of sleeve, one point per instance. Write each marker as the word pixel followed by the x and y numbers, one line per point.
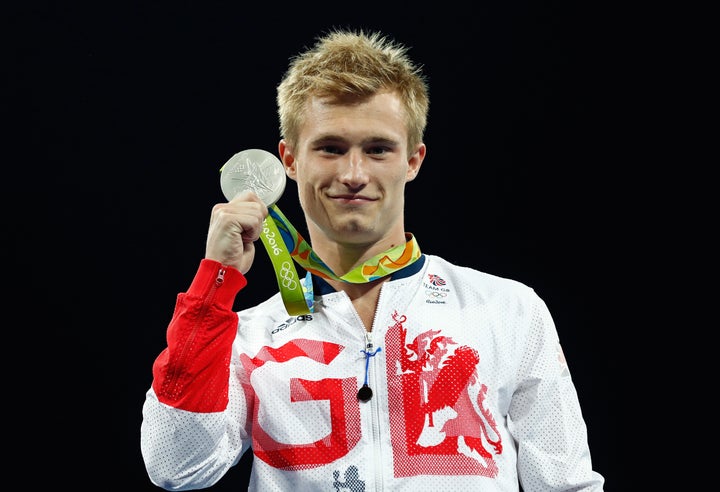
pixel 205 283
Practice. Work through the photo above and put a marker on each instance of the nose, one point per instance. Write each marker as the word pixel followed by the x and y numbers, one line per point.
pixel 353 172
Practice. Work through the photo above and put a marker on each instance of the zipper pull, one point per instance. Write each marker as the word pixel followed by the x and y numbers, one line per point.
pixel 368 340
pixel 220 277
pixel 365 393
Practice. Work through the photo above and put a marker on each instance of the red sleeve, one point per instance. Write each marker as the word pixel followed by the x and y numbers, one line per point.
pixel 193 372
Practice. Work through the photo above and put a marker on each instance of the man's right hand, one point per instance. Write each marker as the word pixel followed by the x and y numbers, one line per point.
pixel 234 228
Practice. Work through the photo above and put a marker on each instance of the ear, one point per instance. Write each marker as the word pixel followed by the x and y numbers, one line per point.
pixel 415 161
pixel 288 159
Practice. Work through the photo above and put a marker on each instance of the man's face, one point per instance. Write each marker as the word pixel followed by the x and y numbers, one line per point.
pixel 351 165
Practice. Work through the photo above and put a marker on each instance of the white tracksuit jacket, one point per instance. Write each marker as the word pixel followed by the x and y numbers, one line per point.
pixel 470 390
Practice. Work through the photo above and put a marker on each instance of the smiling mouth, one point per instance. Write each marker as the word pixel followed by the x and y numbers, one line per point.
pixel 350 197
pixel 352 200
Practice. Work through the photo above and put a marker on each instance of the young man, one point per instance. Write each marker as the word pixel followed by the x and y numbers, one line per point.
pixel 407 372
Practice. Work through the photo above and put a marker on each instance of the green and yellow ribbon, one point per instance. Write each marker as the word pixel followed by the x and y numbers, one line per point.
pixel 284 244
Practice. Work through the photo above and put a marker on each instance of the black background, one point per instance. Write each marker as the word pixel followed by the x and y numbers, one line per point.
pixel 135 107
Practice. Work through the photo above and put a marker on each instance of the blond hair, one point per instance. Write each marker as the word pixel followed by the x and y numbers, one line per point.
pixel 349 65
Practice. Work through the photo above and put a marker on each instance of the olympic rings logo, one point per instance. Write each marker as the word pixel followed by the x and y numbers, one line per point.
pixel 432 293
pixel 288 276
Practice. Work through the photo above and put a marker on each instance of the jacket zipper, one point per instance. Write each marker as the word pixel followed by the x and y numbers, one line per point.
pixel 377 442
pixel 189 342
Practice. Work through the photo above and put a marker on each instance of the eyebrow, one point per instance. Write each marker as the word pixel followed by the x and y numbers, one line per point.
pixel 332 138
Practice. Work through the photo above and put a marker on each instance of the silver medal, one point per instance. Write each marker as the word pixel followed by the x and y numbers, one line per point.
pixel 257 170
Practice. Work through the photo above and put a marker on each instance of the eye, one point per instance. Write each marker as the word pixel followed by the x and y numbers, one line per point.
pixel 331 149
pixel 378 150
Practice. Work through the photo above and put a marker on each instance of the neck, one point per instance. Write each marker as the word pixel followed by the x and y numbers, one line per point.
pixel 344 256
pixel 372 260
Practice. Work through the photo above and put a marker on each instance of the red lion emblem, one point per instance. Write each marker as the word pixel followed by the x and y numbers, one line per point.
pixel 432 377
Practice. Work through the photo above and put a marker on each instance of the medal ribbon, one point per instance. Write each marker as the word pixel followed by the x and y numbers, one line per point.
pixel 293 291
